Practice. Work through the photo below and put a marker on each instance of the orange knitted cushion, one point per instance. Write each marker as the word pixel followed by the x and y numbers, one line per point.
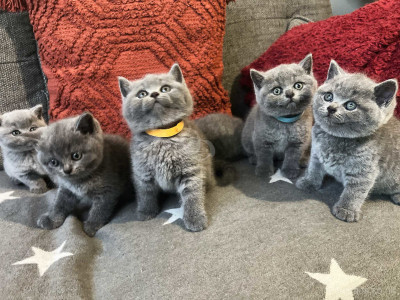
pixel 84 45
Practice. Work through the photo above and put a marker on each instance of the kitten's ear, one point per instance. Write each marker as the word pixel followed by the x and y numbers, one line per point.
pixel 257 78
pixel 176 72
pixel 85 123
pixel 334 70
pixel 37 111
pixel 385 92
pixel 124 86
pixel 307 63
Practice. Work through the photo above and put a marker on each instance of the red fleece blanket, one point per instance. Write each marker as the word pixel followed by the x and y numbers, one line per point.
pixel 367 41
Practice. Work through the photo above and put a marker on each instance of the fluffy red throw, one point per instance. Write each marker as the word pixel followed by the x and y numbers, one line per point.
pixel 367 41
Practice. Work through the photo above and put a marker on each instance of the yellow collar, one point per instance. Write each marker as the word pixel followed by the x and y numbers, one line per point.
pixel 166 132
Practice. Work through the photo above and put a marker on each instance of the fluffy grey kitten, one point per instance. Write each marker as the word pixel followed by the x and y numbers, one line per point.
pixel 279 125
pixel 91 169
pixel 224 132
pixel 181 163
pixel 20 131
pixel 356 140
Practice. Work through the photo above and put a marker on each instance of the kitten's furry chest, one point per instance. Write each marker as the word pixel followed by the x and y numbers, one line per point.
pixel 165 160
pixel 20 163
pixel 341 156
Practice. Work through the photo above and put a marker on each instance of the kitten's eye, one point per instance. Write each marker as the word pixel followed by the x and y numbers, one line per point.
pixel 277 91
pixel 298 86
pixel 15 132
pixel 165 88
pixel 328 97
pixel 32 128
pixel 350 105
pixel 76 156
pixel 142 94
pixel 54 163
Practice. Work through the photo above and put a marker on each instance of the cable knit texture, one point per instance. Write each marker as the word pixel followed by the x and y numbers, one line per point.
pixel 367 41
pixel 84 45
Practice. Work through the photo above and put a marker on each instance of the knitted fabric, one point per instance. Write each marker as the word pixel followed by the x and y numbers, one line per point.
pixel 84 45
pixel 367 41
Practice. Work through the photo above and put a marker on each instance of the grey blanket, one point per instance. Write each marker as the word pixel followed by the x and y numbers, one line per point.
pixel 264 241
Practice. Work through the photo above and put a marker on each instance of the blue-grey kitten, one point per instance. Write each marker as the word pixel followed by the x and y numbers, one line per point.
pixel 356 140
pixel 20 131
pixel 91 169
pixel 279 125
pixel 180 163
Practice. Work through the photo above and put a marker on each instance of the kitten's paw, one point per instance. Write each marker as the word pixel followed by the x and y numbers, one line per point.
pixel 264 172
pixel 291 173
pixel 306 185
pixel 346 214
pixel 90 229
pixel 46 222
pixel 38 190
pixel 144 216
pixel 395 199
pixel 197 223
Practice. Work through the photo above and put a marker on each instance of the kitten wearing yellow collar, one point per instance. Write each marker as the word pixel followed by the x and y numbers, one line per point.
pixel 168 152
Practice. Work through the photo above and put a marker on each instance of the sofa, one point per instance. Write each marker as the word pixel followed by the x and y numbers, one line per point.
pixel 265 238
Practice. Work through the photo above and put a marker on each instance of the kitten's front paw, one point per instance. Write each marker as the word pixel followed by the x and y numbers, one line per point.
pixel 291 173
pixel 346 214
pixel 144 216
pixel 396 199
pixel 38 190
pixel 46 222
pixel 196 223
pixel 264 171
pixel 90 229
pixel 306 185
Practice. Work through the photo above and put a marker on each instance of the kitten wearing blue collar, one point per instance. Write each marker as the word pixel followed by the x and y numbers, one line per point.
pixel 279 125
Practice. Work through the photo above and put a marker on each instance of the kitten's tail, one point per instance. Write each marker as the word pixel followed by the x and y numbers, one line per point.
pixel 225 172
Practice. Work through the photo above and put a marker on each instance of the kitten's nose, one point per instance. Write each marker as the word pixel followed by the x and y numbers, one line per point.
pixel 154 94
pixel 331 110
pixel 289 94
pixel 67 170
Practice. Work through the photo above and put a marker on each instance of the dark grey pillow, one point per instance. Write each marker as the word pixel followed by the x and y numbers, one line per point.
pixel 22 82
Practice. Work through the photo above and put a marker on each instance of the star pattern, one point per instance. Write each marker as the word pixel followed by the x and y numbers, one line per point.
pixel 44 259
pixel 339 285
pixel 176 213
pixel 7 196
pixel 279 177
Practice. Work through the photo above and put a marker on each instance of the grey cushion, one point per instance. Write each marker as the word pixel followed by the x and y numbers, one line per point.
pixel 252 26
pixel 22 82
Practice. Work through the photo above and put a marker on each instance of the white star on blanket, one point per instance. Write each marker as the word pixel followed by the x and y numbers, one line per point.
pixel 339 285
pixel 43 258
pixel 279 177
pixel 176 213
pixel 7 196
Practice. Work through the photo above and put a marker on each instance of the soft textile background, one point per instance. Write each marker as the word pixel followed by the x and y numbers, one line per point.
pixel 84 45
pixel 367 40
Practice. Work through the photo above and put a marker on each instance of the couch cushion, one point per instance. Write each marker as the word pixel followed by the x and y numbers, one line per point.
pixel 85 46
pixel 252 26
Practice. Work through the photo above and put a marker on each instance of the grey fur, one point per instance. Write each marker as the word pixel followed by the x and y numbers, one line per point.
pixel 20 162
pixel 180 164
pixel 264 137
pixel 361 147
pixel 98 179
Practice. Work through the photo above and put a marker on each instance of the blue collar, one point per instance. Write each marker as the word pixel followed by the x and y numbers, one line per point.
pixel 289 119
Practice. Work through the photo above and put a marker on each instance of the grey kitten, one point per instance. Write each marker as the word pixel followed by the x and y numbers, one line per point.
pixel 279 125
pixel 356 140
pixel 20 131
pixel 224 132
pixel 91 169
pixel 181 163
